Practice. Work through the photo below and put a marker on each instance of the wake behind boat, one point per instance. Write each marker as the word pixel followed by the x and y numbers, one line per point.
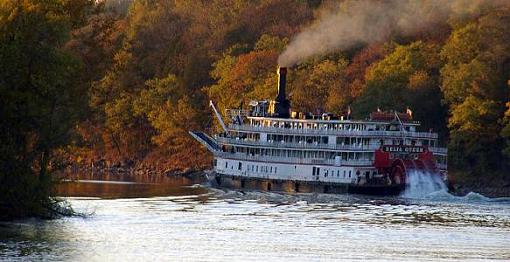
pixel 270 147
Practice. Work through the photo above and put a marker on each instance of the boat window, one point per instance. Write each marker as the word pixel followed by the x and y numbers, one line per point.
pixel 226 164
pixel 349 173
pixel 240 166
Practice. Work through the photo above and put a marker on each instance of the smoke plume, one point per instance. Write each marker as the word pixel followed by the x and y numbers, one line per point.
pixel 352 22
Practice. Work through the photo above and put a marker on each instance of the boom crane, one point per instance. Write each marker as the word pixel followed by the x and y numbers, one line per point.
pixel 211 104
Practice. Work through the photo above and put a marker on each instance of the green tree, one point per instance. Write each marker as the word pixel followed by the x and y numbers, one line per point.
pixel 474 84
pixel 406 77
pixel 40 100
pixel 172 114
pixel 473 128
pixel 150 41
pixel 319 87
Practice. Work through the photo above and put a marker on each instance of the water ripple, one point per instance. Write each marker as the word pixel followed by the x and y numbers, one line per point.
pixel 221 224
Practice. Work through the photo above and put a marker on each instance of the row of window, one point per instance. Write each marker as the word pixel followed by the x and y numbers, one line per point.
pixel 316 171
pixel 298 139
pixel 261 169
pixel 254 168
pixel 330 126
pixel 340 140
pixel 317 154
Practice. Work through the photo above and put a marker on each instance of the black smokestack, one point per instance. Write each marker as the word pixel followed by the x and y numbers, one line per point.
pixel 282 105
pixel 282 81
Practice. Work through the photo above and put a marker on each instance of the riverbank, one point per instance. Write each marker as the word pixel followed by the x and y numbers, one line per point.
pixel 489 185
pixel 122 168
pixel 491 191
pixel 133 173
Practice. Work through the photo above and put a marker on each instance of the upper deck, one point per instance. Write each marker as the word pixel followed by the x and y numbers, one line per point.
pixel 333 132
pixel 349 128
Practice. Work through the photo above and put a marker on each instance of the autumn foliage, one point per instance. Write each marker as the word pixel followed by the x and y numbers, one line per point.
pixel 152 69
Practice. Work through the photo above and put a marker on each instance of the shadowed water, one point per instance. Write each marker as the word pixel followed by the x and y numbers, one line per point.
pixel 199 223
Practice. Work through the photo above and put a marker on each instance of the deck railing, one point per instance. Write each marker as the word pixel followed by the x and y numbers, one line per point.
pixel 291 160
pixel 280 145
pixel 277 144
pixel 310 131
pixel 438 150
pixel 300 160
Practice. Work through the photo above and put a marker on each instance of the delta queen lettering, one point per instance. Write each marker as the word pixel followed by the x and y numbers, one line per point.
pixel 403 149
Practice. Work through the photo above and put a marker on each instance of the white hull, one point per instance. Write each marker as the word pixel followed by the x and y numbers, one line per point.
pixel 293 172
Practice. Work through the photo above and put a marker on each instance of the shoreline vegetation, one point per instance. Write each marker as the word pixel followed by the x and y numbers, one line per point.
pixel 124 80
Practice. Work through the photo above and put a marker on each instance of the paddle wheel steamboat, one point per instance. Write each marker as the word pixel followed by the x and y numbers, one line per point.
pixel 269 147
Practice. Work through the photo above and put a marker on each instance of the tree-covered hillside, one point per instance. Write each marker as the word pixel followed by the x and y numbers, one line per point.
pixel 154 69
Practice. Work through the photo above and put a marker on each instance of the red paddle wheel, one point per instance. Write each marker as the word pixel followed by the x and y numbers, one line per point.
pixel 397 168
pixel 398 172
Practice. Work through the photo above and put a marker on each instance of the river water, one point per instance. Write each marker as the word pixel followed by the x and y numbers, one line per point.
pixel 131 221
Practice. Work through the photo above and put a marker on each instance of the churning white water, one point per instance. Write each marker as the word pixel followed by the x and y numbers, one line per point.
pixel 421 184
pixel 429 186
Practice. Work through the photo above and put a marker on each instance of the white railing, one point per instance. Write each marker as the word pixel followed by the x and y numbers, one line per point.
pixel 438 150
pixel 284 145
pixel 291 160
pixel 355 147
pixel 310 131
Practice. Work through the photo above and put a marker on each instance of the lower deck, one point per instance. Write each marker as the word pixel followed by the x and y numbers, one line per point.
pixel 296 172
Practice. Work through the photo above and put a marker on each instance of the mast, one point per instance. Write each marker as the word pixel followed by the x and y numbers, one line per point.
pixel 211 104
pixel 401 127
